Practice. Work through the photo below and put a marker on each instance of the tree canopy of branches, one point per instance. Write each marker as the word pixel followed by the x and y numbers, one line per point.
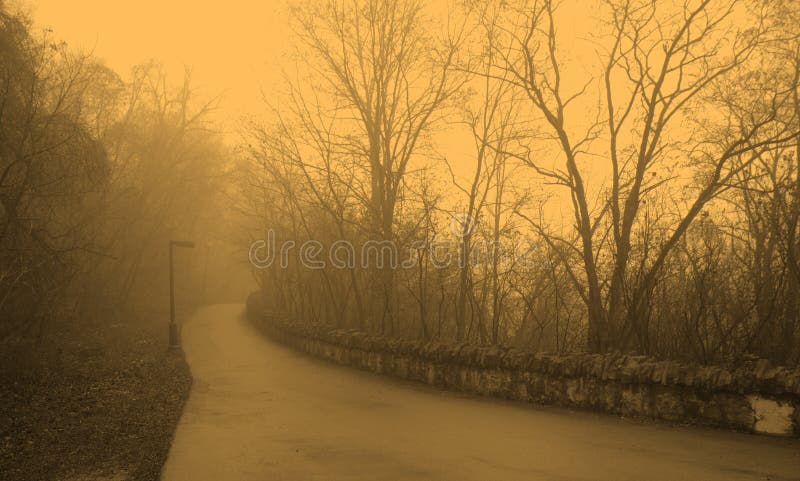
pixel 96 173
pixel 661 190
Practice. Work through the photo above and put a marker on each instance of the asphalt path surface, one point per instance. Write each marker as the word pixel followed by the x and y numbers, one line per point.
pixel 261 411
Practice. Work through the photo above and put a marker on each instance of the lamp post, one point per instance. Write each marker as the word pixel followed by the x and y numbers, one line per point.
pixel 174 342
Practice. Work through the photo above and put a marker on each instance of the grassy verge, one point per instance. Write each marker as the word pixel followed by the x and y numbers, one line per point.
pixel 91 402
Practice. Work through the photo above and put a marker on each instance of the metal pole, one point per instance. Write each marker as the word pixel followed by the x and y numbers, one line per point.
pixel 173 327
pixel 174 342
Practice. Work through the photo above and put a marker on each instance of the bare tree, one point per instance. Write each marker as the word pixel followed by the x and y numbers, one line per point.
pixel 662 65
pixel 382 68
pixel 50 167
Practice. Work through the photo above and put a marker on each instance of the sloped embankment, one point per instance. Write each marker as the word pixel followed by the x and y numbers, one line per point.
pixel 95 402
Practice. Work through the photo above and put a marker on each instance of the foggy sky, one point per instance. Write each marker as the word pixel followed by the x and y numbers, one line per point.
pixel 233 47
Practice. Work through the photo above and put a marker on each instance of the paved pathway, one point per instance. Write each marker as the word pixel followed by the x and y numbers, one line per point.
pixel 260 411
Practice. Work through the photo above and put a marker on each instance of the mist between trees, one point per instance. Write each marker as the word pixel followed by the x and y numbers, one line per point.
pixel 659 182
pixel 97 172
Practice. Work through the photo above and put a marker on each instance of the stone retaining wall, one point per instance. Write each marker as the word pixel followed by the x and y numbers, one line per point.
pixel 756 397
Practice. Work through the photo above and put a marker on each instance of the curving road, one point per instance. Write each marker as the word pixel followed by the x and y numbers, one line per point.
pixel 260 411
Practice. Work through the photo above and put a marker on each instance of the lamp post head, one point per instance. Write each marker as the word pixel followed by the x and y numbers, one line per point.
pixel 182 243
